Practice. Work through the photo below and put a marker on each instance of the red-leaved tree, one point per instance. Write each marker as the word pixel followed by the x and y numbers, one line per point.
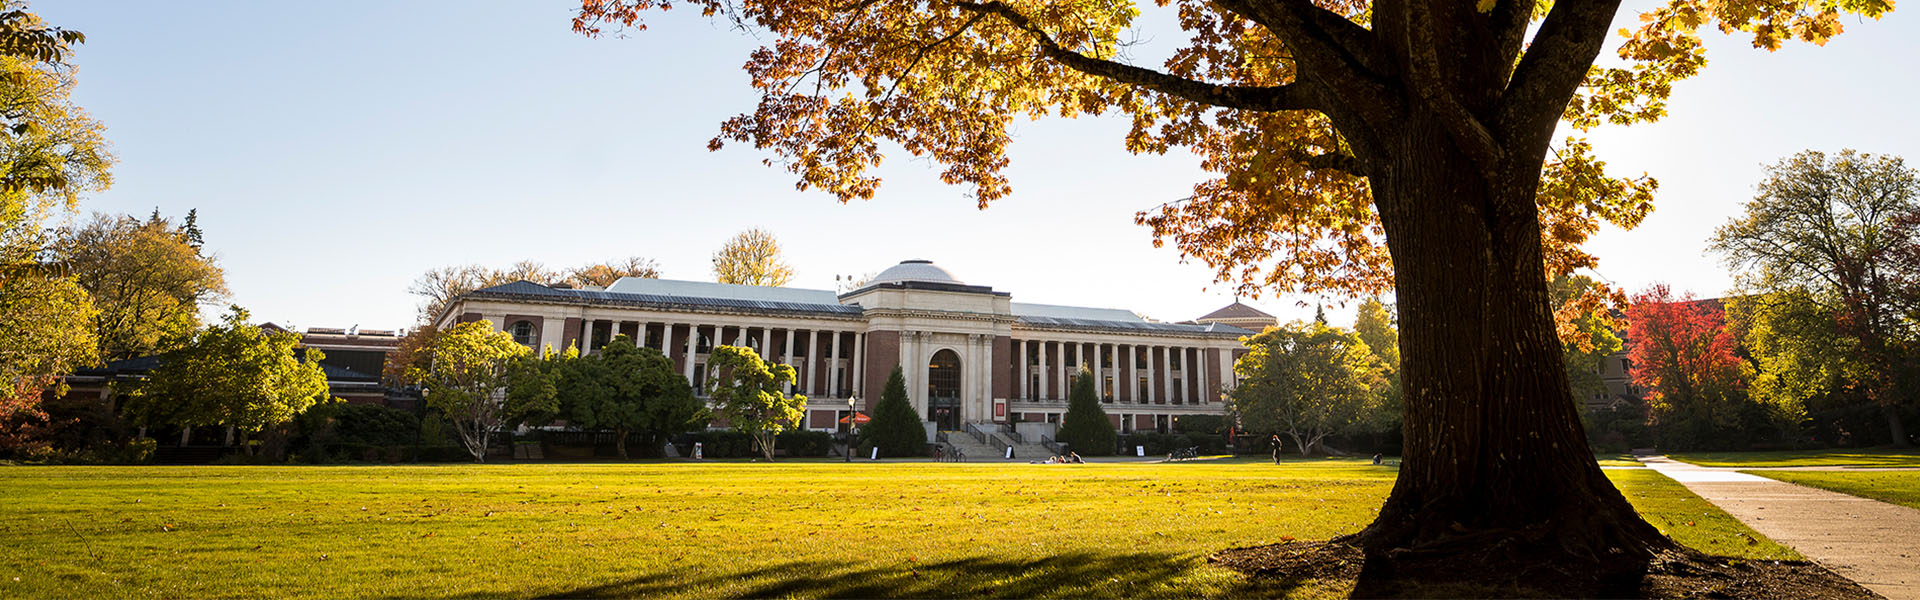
pixel 1683 355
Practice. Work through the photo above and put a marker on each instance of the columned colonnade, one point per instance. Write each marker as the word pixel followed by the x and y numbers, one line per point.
pixel 1140 373
pixel 827 361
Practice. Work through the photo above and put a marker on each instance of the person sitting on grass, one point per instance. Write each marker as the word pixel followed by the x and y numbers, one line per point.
pixel 1074 457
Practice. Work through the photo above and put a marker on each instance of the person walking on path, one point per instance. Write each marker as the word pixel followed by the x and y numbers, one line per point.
pixel 1276 448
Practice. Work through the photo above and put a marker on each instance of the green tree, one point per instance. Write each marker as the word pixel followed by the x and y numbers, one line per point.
pixel 148 279
pixel 1308 381
pixel 45 332
pixel 1796 354
pixel 625 389
pixel 895 429
pixel 234 374
pixel 1825 231
pixel 484 382
pixel 746 392
pixel 1086 429
pixel 1350 145
pixel 51 153
pixel 1582 311
pixel 751 258
pixel 1374 323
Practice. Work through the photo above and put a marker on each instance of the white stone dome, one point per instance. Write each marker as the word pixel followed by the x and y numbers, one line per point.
pixel 915 270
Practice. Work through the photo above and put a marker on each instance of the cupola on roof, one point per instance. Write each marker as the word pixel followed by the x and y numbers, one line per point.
pixel 915 270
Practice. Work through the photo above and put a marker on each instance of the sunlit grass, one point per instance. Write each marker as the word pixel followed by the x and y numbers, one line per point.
pixel 1898 487
pixel 1690 519
pixel 1616 460
pixel 683 529
pixel 1878 457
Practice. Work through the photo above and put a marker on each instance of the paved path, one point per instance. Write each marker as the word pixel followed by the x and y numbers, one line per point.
pixel 1873 543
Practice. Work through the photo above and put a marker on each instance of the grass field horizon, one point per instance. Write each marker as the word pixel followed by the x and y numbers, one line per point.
pixel 704 530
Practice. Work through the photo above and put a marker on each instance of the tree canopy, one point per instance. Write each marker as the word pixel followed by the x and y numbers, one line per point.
pixel 1308 381
pixel 751 258
pixel 746 391
pixel 624 389
pixel 483 382
pixel 51 153
pixel 231 373
pixel 1828 232
pixel 148 278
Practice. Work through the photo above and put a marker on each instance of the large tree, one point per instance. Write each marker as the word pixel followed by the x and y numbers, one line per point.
pixel 51 153
pixel 484 382
pixel 624 389
pixel 746 391
pixel 231 373
pixel 1683 353
pixel 751 257
pixel 1827 230
pixel 1583 311
pixel 1354 145
pixel 1309 381
pixel 148 278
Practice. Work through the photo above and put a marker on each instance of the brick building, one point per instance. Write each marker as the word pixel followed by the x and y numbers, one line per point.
pixel 970 354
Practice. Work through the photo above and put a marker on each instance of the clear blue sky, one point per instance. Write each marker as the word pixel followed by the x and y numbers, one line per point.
pixel 337 150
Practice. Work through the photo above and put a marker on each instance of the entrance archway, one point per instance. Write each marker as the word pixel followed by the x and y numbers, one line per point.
pixel 943 390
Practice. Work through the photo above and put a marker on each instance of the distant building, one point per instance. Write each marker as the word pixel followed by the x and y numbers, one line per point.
pixel 354 359
pixel 971 354
pixel 1242 316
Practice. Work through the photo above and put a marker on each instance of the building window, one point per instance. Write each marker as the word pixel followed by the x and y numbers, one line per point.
pixel 1106 390
pixel 523 333
pixel 1179 391
pixel 1146 391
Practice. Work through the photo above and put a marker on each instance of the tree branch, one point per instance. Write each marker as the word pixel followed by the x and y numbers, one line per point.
pixel 1292 96
pixel 1423 66
pixel 1551 71
pixel 1335 161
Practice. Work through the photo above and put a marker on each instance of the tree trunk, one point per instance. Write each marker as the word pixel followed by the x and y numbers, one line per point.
pixel 766 444
pixel 620 442
pixel 1497 484
pixel 1898 429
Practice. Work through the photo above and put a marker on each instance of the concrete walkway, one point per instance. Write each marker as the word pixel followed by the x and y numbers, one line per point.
pixel 1873 543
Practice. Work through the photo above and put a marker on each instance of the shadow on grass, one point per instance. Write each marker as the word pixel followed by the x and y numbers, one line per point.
pixel 1073 574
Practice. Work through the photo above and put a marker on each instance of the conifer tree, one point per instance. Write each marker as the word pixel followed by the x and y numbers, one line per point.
pixel 895 429
pixel 1086 429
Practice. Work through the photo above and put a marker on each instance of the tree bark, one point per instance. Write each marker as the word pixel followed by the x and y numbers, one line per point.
pixel 1497 479
pixel 620 442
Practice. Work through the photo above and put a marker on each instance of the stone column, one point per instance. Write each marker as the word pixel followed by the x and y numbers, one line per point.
pixel 1099 372
pixel 1166 375
pixel 1020 367
pixel 859 359
pixel 693 345
pixel 553 333
pixel 1200 367
pixel 813 360
pixel 1060 371
pixel 586 337
pixel 833 368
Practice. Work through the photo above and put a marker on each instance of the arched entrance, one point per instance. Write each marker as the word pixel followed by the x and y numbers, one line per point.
pixel 943 390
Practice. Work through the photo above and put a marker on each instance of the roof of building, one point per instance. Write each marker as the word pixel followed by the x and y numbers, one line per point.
pixel 676 294
pixel 684 295
pixel 1137 325
pixel 1236 311
pixel 916 270
pixel 1022 309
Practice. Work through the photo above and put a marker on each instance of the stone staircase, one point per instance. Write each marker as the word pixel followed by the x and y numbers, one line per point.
pixel 994 451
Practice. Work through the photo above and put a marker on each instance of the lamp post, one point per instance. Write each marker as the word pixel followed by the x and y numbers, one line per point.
pixel 849 454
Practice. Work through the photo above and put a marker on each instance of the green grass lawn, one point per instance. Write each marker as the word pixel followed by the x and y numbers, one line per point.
pixel 1898 487
pixel 1616 460
pixel 1873 457
pixel 700 530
